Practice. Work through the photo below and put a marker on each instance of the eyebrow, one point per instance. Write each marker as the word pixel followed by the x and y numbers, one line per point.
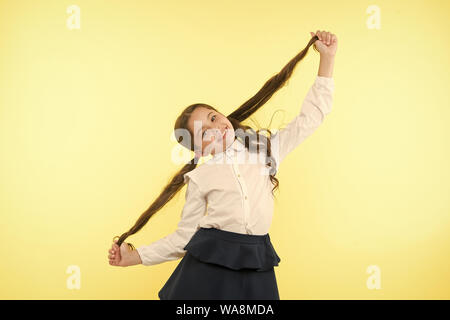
pixel 207 117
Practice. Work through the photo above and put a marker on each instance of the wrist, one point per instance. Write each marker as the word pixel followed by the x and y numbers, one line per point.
pixel 326 56
pixel 132 258
pixel 326 66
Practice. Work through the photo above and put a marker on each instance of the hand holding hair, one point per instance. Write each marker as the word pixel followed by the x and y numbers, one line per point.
pixel 124 256
pixel 326 45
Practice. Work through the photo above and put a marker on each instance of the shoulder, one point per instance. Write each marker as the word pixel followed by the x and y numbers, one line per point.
pixel 200 173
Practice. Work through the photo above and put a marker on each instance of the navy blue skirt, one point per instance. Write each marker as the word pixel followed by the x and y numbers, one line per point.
pixel 224 265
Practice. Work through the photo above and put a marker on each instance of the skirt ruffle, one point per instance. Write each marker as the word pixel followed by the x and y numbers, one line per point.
pixel 230 250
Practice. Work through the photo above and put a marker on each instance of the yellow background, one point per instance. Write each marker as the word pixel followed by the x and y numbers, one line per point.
pixel 87 116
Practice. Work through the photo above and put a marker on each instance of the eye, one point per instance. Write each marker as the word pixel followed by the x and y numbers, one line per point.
pixel 203 134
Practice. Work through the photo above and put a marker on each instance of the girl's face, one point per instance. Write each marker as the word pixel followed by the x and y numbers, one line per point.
pixel 212 131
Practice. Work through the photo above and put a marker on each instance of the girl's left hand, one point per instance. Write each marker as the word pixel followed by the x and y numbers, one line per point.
pixel 327 43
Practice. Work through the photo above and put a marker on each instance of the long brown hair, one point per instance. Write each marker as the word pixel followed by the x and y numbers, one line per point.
pixel 251 138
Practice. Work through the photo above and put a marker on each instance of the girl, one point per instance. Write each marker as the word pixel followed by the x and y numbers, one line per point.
pixel 222 236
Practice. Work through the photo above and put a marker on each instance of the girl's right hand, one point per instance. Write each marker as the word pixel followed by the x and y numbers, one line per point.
pixel 116 254
pixel 123 256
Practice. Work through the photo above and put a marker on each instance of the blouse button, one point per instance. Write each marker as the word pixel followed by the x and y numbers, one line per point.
pixel 245 197
pixel 239 175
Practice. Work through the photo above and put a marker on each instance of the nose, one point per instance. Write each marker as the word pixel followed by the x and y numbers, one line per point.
pixel 215 133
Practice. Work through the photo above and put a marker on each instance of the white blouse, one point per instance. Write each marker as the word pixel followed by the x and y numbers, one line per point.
pixel 232 190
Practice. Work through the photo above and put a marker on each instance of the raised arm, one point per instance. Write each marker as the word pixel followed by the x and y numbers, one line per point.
pixel 316 105
pixel 171 246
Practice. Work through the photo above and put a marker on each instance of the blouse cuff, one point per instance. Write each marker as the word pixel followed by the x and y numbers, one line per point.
pixel 144 259
pixel 325 82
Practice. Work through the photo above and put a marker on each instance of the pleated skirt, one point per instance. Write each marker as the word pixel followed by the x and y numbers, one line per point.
pixel 224 265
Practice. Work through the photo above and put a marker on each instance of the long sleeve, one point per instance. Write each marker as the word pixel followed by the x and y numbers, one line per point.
pixel 316 105
pixel 171 246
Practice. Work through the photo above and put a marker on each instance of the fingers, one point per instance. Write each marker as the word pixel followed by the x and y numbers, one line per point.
pixel 325 36
pixel 111 255
pixel 113 252
pixel 115 246
pixel 112 259
pixel 113 262
pixel 333 38
pixel 322 35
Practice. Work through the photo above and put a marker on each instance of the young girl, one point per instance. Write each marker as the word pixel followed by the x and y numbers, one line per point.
pixel 222 236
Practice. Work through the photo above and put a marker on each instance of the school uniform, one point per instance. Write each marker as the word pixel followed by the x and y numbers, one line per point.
pixel 222 236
